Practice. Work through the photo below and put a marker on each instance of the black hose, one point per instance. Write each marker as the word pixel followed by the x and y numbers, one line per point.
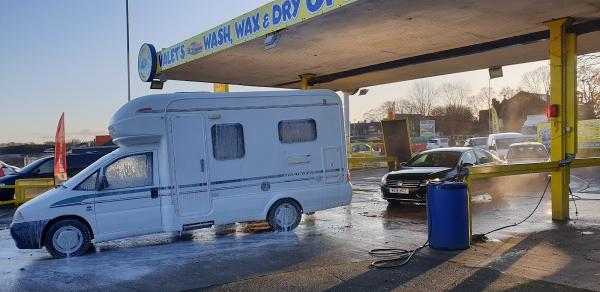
pixel 481 237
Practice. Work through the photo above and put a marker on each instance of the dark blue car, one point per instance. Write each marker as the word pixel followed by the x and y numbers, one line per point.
pixel 44 168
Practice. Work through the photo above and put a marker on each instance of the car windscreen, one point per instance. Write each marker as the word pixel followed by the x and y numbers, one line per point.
pixel 81 161
pixel 527 152
pixel 506 142
pixel 435 159
pixel 30 167
pixel 478 142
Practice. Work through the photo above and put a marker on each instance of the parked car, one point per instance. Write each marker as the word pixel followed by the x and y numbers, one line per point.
pixel 498 143
pixel 527 152
pixel 6 169
pixel 364 148
pixel 477 142
pixel 193 160
pixel 409 183
pixel 44 168
pixel 436 143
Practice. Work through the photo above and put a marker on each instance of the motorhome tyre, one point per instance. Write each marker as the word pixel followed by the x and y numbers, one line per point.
pixel 68 238
pixel 284 215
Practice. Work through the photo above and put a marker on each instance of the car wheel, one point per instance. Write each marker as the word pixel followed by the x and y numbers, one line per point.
pixel 284 215
pixel 68 238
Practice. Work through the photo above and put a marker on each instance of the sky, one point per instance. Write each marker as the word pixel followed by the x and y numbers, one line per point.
pixel 70 56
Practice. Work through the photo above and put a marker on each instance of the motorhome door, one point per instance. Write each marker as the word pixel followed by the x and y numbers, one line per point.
pixel 332 165
pixel 188 152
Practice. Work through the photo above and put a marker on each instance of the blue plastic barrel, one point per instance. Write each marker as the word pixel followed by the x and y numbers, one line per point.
pixel 448 216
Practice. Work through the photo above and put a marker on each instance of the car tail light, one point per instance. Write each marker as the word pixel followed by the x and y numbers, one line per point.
pixel 348 176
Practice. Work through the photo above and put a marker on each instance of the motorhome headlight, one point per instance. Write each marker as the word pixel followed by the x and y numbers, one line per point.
pixel 18 217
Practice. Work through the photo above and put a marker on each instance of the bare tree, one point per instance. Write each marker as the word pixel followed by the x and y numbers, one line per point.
pixel 453 120
pixel 507 92
pixel 455 93
pixel 420 99
pixel 592 60
pixel 379 113
pixel 480 101
pixel 537 81
pixel 588 85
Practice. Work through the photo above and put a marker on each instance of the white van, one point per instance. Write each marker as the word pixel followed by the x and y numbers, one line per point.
pixel 194 160
pixel 436 143
pixel 498 143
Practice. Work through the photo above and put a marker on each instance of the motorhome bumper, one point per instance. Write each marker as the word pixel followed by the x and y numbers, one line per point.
pixel 27 235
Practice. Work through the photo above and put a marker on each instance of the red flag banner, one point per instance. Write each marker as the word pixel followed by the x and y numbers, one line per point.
pixel 60 153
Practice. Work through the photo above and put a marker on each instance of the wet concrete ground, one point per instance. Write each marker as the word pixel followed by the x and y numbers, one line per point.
pixel 332 240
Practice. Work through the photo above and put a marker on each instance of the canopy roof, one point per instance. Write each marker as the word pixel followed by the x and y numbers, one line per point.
pixel 351 44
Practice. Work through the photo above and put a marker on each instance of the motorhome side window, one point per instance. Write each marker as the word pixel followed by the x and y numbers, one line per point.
pixel 89 184
pixel 130 172
pixel 297 131
pixel 228 141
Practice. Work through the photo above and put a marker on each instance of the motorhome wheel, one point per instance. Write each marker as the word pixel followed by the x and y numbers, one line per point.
pixel 284 215
pixel 67 238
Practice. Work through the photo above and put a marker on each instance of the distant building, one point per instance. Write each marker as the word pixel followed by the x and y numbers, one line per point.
pixel 513 112
pixel 104 140
pixel 365 130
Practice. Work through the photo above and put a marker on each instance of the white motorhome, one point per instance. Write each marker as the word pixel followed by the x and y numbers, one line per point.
pixel 194 160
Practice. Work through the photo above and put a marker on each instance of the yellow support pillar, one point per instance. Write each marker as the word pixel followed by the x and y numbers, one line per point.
pixel 562 93
pixel 305 81
pixel 218 87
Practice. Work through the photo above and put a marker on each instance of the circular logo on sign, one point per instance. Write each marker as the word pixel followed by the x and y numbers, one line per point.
pixel 147 62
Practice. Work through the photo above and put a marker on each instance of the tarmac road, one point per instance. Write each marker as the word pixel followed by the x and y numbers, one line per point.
pixel 339 237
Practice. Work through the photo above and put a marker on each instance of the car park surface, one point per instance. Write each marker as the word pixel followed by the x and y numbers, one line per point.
pixel 329 240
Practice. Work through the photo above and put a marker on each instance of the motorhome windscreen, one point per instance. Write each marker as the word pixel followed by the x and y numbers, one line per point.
pixel 129 172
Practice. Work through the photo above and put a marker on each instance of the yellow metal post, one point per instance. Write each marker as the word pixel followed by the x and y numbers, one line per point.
pixel 562 80
pixel 218 87
pixel 305 81
pixel 571 96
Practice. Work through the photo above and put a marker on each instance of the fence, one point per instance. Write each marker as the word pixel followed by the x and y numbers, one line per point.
pixel 27 189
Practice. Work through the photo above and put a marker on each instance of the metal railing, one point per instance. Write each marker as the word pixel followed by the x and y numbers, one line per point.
pixel 27 189
pixel 365 162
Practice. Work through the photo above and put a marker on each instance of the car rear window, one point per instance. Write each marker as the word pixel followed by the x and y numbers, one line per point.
pixel 478 142
pixel 527 152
